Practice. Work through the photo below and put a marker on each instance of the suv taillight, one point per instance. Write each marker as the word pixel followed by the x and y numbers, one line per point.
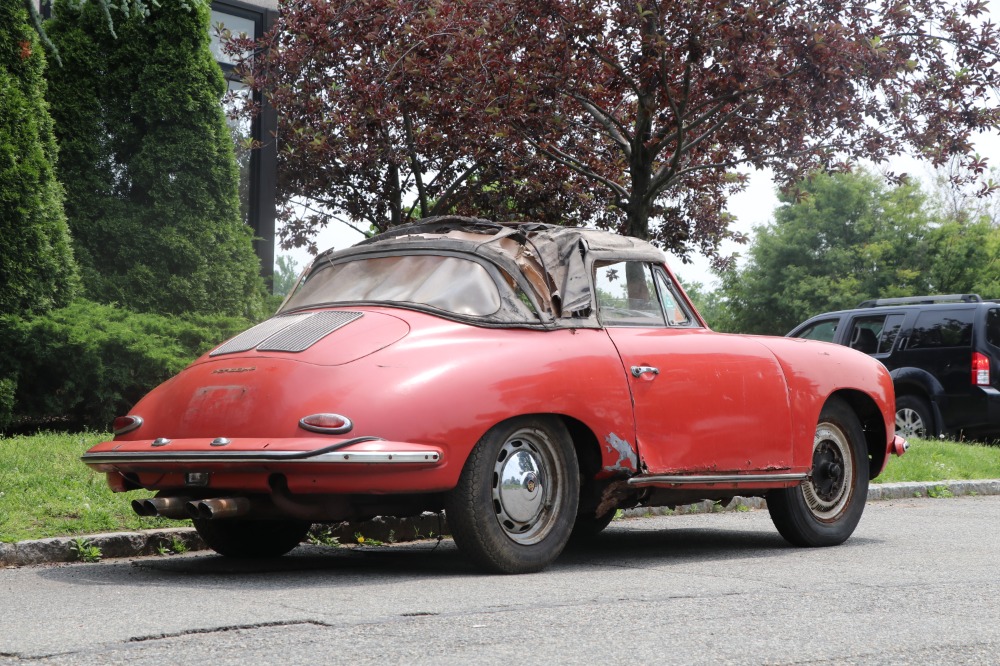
pixel 980 369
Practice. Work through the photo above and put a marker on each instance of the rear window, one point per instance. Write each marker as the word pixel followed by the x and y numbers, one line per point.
pixel 942 328
pixel 452 284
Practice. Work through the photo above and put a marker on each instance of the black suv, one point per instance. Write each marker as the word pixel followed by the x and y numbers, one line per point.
pixel 943 353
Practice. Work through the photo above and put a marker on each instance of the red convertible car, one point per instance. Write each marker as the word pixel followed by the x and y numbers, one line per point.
pixel 529 380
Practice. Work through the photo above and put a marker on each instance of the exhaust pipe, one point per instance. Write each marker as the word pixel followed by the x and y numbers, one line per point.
pixel 163 507
pixel 219 507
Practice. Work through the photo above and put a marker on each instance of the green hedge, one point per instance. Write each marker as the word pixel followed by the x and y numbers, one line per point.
pixel 82 365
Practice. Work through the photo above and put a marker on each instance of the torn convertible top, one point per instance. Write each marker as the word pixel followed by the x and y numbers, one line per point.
pixel 553 263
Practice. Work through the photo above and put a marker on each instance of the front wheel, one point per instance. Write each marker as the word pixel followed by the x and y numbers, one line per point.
pixel 249 539
pixel 826 507
pixel 513 509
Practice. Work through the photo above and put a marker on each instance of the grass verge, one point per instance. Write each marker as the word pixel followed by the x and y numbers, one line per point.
pixel 943 460
pixel 46 491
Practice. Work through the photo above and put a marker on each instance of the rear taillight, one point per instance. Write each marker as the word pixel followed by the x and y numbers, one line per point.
pixel 124 424
pixel 329 424
pixel 980 369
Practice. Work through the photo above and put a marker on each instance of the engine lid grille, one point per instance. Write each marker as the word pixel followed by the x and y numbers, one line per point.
pixel 288 333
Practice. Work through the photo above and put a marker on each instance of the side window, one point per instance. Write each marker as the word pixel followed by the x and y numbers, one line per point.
pixel 942 328
pixel 889 333
pixel 822 330
pixel 626 294
pixel 993 326
pixel 875 334
pixel 674 306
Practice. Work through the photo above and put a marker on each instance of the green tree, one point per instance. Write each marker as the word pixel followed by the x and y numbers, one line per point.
pixel 709 302
pixel 286 273
pixel 629 115
pixel 37 271
pixel 148 162
pixel 845 238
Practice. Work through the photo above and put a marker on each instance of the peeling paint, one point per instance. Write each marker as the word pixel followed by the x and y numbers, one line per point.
pixel 627 459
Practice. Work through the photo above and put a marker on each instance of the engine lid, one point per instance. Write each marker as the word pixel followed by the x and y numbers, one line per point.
pixel 359 333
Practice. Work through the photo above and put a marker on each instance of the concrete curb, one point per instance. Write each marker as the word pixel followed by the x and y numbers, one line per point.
pixel 173 540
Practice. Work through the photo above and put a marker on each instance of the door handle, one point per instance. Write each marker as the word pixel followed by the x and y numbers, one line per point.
pixel 640 370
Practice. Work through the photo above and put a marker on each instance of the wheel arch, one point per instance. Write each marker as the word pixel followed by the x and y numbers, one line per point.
pixel 592 458
pixel 922 384
pixel 872 424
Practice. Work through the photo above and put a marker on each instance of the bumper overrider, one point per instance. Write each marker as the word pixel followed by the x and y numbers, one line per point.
pixel 306 464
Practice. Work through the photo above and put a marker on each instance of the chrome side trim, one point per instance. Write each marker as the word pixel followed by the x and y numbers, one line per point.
pixel 676 480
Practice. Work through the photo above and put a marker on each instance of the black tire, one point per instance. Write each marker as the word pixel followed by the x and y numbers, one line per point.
pixel 914 417
pixel 251 539
pixel 588 526
pixel 512 511
pixel 826 507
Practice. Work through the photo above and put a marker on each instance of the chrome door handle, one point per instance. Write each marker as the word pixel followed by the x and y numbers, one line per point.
pixel 640 370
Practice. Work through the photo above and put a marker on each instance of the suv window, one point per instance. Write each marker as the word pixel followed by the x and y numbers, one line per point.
pixel 942 328
pixel 875 334
pixel 993 326
pixel 821 330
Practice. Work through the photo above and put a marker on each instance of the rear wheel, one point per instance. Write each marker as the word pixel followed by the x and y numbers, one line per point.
pixel 913 417
pixel 826 507
pixel 588 526
pixel 249 539
pixel 516 499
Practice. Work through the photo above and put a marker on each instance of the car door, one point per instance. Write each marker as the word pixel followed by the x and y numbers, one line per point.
pixel 703 402
pixel 940 343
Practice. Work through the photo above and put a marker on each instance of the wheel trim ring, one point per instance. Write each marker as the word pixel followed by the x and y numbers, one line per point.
pixel 830 439
pixel 508 504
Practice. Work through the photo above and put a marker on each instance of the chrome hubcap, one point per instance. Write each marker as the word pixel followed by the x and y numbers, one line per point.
pixel 829 487
pixel 524 494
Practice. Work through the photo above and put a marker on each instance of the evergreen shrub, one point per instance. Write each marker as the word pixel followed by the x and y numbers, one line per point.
pixel 37 270
pixel 82 365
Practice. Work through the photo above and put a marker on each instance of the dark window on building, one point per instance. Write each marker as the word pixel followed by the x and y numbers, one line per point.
pixel 258 168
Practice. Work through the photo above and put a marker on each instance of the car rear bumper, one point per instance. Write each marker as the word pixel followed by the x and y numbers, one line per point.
pixel 369 450
pixel 305 465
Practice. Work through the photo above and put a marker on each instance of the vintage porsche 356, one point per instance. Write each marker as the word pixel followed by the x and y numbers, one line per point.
pixel 529 380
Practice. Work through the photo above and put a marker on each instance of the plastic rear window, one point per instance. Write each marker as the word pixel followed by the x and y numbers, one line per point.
pixel 447 283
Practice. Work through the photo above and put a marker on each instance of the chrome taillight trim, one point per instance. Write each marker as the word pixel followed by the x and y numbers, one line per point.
pixel 134 425
pixel 339 430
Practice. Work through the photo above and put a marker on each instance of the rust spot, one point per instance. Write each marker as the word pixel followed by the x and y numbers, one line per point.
pixel 627 459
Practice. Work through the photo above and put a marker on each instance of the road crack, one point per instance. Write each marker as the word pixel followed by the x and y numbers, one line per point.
pixel 227 628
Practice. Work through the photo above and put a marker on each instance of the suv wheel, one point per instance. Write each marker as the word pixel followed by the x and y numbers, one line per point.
pixel 913 417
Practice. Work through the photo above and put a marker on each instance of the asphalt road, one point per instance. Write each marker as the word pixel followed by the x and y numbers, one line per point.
pixel 918 583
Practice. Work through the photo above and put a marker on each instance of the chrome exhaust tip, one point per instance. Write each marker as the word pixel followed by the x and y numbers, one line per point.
pixel 219 507
pixel 162 507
